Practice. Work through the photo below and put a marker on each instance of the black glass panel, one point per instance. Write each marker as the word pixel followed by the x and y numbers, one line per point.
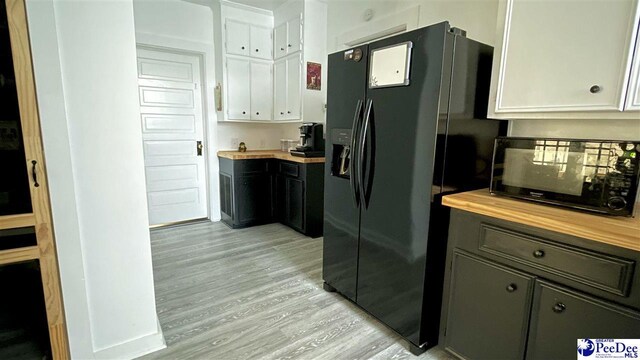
pixel 17 238
pixel 23 320
pixel 14 183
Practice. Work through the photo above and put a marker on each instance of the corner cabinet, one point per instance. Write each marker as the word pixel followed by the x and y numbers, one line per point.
pixel 261 191
pixel 287 37
pixel 32 320
pixel 566 60
pixel 513 291
pixel 288 88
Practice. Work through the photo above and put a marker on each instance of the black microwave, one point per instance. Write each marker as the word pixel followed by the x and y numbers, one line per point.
pixel 594 175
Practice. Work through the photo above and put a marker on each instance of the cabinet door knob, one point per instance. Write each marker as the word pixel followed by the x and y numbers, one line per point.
pixel 243 48
pixel 244 112
pixel 281 49
pixel 257 50
pixel 288 112
pixel 512 287
pixel 595 89
pixel 538 254
pixel 558 308
pixel 281 113
pixel 289 45
pixel 257 112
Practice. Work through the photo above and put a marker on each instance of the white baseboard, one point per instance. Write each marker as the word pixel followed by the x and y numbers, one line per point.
pixel 133 348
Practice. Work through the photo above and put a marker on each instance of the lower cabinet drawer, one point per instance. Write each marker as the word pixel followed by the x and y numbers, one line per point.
pixel 600 271
pixel 561 316
pixel 488 309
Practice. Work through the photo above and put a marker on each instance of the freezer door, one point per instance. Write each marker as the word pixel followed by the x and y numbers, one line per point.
pixel 345 97
pixel 402 125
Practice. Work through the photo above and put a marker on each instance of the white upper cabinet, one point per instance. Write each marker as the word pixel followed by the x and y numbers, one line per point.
pixel 280 87
pixel 280 41
pixel 261 91
pixel 288 88
pixel 238 89
pixel 287 37
pixel 556 59
pixel 238 38
pixel 261 42
pixel 633 95
pixel 294 35
pixel 248 40
pixel 294 86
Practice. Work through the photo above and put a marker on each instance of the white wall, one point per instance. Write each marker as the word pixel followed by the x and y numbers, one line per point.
pixel 89 111
pixel 477 17
pixel 315 50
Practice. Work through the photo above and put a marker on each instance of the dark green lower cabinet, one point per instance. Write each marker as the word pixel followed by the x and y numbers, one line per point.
pixel 561 316
pixel 260 191
pixel 513 291
pixel 488 310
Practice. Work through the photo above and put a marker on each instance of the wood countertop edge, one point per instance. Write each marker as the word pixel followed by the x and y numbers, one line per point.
pixel 268 154
pixel 619 231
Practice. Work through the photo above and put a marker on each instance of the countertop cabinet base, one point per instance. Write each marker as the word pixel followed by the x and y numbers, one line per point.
pixel 262 191
pixel 511 287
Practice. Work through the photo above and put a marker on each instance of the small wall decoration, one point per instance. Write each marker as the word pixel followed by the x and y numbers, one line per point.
pixel 314 71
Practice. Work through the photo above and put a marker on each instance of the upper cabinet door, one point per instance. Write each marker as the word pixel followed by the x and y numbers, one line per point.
pixel 562 56
pixel 261 42
pixel 294 42
pixel 633 95
pixel 294 87
pixel 238 38
pixel 280 94
pixel 261 91
pixel 238 89
pixel 280 41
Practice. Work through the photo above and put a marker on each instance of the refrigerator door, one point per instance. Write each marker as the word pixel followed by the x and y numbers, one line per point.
pixel 403 125
pixel 345 98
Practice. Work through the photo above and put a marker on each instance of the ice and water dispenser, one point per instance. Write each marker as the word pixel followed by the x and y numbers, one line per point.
pixel 341 153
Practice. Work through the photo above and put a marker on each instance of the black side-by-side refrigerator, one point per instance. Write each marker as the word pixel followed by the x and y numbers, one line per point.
pixel 406 124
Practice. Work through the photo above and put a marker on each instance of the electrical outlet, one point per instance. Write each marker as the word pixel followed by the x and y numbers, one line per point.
pixel 235 142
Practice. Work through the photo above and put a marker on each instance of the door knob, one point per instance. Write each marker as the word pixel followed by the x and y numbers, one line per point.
pixel 559 307
pixel 512 287
pixel 199 148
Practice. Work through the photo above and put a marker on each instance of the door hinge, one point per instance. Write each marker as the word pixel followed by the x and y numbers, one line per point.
pixel 195 86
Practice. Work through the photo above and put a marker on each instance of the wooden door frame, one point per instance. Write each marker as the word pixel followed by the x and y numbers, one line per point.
pixel 205 115
pixel 45 251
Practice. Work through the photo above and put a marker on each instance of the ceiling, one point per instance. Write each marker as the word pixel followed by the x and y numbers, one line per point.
pixel 262 4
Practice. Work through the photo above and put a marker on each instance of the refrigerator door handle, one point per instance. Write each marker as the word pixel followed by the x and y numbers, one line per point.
pixel 353 178
pixel 363 143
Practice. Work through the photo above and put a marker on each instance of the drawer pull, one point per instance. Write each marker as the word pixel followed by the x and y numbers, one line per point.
pixel 538 254
pixel 558 308
pixel 512 287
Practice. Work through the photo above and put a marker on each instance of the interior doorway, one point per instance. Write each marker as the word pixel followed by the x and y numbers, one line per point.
pixel 173 135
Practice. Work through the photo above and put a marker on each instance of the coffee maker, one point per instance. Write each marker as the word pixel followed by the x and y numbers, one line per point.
pixel 311 138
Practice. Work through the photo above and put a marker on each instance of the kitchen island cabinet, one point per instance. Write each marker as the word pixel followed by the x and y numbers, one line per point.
pixel 519 285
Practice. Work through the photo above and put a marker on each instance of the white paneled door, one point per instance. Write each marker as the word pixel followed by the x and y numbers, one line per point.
pixel 173 135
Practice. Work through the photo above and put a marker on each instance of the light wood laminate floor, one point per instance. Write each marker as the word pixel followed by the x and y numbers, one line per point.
pixel 256 293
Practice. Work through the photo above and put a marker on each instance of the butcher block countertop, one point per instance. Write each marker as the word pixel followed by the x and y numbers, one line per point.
pixel 268 154
pixel 614 230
